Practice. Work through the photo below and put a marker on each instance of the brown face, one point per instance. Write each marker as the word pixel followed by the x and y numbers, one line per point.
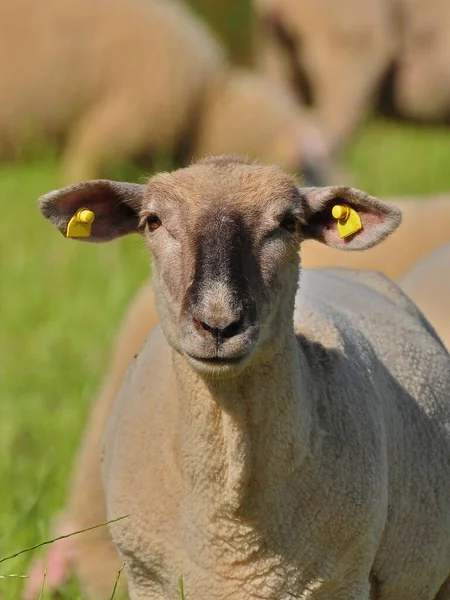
pixel 223 248
pixel 224 235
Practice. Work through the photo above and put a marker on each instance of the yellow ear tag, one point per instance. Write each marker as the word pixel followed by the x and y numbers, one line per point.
pixel 79 225
pixel 349 222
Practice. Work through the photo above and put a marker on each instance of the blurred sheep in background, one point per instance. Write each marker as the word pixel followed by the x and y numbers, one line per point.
pixel 331 54
pixel 343 59
pixel 116 80
pixel 421 77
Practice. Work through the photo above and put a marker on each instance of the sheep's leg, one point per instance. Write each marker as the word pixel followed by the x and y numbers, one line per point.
pixel 92 555
pixel 111 131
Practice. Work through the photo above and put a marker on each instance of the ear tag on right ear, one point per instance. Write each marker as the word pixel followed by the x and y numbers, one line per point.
pixel 349 222
pixel 79 225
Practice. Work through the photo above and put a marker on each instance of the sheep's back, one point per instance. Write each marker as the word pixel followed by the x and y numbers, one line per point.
pixel 368 329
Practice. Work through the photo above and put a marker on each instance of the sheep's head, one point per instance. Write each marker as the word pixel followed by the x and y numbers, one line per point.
pixel 224 235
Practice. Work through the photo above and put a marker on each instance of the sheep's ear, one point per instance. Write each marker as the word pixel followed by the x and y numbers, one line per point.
pixel 115 207
pixel 365 220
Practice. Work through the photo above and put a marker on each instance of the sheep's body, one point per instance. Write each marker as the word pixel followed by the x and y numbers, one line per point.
pixel 225 513
pixel 428 284
pixel 114 77
pixel 337 51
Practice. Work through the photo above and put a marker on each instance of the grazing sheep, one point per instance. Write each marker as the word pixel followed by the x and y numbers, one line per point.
pixel 133 87
pixel 421 84
pixel 428 284
pixel 259 459
pixel 393 257
pixel 332 54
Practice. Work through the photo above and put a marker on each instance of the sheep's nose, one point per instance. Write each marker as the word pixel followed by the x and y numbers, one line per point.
pixel 224 332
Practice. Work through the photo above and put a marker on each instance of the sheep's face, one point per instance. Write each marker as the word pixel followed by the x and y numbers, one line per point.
pixel 224 235
pixel 224 239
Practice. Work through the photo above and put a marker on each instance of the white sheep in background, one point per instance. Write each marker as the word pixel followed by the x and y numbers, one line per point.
pixel 331 54
pixel 428 284
pixel 246 113
pixel 257 458
pixel 111 77
pixel 118 80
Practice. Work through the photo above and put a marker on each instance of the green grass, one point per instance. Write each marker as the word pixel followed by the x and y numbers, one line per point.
pixel 61 301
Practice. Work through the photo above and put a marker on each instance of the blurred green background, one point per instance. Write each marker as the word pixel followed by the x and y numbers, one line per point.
pixel 60 303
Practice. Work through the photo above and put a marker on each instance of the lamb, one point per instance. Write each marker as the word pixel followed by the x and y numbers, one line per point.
pixel 114 93
pixel 393 257
pixel 286 461
pixel 428 284
pixel 332 54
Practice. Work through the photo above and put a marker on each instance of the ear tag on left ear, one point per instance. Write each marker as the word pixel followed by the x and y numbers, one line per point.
pixel 349 222
pixel 79 225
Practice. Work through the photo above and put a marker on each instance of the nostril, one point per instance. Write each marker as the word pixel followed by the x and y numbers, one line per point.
pixel 232 329
pixel 220 333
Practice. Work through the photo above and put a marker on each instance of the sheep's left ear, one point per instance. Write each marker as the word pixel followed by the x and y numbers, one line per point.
pixel 377 219
pixel 112 208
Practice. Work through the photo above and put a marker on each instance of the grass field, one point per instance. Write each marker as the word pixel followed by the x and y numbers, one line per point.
pixel 60 303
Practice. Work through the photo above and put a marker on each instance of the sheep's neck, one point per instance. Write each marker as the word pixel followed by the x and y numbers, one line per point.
pixel 241 437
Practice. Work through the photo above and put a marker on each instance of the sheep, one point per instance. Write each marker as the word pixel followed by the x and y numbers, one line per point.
pixel 421 88
pixel 290 453
pixel 428 284
pixel 134 86
pixel 246 113
pixel 332 54
pixel 393 258
pixel 111 90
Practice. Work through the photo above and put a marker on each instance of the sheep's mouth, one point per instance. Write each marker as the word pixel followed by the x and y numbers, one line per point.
pixel 219 360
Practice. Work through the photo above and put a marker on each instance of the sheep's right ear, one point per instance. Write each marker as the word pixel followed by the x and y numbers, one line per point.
pixel 115 207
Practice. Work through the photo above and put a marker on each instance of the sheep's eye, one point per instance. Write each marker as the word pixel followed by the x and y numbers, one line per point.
pixel 289 222
pixel 153 222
